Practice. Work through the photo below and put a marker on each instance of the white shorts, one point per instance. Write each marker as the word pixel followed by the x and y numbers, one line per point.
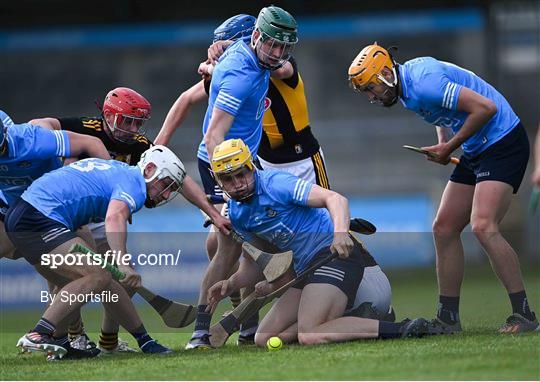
pixel 312 169
pixel 374 288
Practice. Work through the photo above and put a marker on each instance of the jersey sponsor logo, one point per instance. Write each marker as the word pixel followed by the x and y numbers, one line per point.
pixel 15 180
pixel 267 103
pixel 447 122
pixel 4 167
pixel 279 235
pixel 262 106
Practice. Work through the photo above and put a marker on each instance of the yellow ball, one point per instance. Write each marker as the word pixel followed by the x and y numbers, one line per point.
pixel 274 343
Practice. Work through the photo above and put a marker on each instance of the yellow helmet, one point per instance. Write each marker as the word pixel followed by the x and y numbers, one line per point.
pixel 367 67
pixel 231 155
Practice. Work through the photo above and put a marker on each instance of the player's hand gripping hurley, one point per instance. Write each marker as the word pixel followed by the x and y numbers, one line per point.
pixel 430 154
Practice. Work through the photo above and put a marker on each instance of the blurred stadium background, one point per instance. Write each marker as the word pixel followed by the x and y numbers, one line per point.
pixel 58 56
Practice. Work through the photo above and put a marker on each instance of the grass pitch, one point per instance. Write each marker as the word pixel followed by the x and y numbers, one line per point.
pixel 479 353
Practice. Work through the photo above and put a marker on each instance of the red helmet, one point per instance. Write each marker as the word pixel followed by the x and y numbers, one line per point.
pixel 125 113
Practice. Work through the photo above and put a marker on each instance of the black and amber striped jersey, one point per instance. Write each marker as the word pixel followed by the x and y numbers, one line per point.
pixel 127 153
pixel 287 135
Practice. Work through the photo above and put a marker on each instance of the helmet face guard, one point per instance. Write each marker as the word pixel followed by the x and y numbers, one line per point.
pixel 278 34
pixel 167 180
pixel 233 169
pixel 165 185
pixel 237 184
pixel 125 112
pixel 366 71
pixel 126 128
pixel 272 53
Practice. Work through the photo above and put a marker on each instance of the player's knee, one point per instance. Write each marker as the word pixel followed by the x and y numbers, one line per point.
pixel 307 339
pixel 211 245
pixel 441 226
pixel 483 227
pixel 261 339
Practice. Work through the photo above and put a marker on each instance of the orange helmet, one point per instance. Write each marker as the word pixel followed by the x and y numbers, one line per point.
pixel 367 67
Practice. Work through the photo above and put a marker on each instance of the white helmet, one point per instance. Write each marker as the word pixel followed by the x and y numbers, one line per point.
pixel 167 165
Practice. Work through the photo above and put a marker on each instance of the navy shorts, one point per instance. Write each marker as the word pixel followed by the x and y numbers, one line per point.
pixel 211 188
pixel 346 274
pixel 34 233
pixel 3 210
pixel 504 161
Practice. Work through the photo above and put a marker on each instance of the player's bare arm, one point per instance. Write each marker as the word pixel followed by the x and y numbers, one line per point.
pixel 338 207
pixel 79 143
pixel 116 227
pixel 247 275
pixel 286 71
pixel 444 134
pixel 179 111
pixel 47 123
pixel 480 110
pixel 86 144
pixel 219 127
pixel 194 194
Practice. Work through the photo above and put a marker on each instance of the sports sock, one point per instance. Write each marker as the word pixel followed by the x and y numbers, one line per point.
pixel 141 336
pixel 389 330
pixel 448 311
pixel 235 299
pixel 520 304
pixel 202 324
pixel 76 328
pixel 44 327
pixel 108 341
pixel 62 341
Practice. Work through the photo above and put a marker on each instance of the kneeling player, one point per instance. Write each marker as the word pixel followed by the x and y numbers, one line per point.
pixel 49 212
pixel 293 214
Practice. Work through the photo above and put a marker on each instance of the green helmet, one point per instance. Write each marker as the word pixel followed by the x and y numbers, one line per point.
pixel 278 36
pixel 274 22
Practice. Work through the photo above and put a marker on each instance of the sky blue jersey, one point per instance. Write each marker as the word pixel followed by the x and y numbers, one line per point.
pixel 431 89
pixel 32 152
pixel 278 213
pixel 238 87
pixel 80 193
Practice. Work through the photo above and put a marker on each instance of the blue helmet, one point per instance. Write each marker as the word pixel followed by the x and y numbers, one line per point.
pixel 239 26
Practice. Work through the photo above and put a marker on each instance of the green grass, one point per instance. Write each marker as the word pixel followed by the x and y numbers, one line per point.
pixel 479 353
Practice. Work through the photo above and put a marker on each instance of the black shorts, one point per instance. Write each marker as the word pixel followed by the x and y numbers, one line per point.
pixel 504 161
pixel 346 274
pixel 33 233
